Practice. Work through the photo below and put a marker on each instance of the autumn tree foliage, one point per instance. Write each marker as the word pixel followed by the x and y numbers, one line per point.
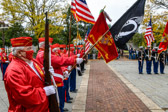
pixel 31 13
pixel 158 11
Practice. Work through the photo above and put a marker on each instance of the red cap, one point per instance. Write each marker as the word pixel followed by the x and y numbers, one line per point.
pixel 2 48
pixel 80 46
pixel 42 39
pixel 71 45
pixel 21 41
pixel 62 46
pixel 55 45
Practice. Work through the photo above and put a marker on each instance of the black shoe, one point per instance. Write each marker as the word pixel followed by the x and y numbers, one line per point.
pixel 69 101
pixel 70 98
pixel 79 73
pixel 74 91
pixel 65 109
pixel 156 73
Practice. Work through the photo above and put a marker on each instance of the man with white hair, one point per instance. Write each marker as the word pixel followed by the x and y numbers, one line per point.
pixel 24 80
pixel 56 49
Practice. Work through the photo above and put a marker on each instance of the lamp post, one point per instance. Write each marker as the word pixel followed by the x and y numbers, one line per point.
pixel 3 26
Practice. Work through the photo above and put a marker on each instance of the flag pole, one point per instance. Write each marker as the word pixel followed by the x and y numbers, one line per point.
pixel 84 39
pixel 69 34
pixel 77 38
pixel 91 48
pixel 104 7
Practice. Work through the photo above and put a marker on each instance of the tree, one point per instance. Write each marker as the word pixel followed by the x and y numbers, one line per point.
pixel 32 14
pixel 157 10
pixel 16 30
pixel 138 39
pixel 159 4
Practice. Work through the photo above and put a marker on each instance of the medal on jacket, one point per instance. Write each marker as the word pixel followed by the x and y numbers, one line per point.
pixel 39 70
pixel 4 56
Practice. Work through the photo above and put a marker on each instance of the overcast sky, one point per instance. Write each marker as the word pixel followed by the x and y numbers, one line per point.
pixel 114 8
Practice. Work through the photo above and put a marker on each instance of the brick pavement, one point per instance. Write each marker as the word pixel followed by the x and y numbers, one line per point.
pixel 107 93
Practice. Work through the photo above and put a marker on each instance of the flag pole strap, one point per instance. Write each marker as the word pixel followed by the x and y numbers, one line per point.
pixel 90 49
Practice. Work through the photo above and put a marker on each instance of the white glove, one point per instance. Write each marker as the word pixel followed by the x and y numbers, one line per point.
pixel 51 70
pixel 55 74
pixel 79 60
pixel 78 55
pixel 78 68
pixel 66 74
pixel 69 67
pixel 49 90
pixel 6 61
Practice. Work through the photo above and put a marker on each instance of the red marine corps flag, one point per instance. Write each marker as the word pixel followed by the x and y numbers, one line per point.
pixel 106 45
pixel 163 45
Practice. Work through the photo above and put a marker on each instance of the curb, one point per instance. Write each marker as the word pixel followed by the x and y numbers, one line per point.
pixel 79 104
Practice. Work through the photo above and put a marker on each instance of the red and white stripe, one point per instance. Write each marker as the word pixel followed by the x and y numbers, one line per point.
pixel 149 35
pixel 87 46
pixel 81 11
pixel 86 37
pixel 73 9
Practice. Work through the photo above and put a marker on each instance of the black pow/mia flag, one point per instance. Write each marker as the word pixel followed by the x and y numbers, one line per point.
pixel 124 29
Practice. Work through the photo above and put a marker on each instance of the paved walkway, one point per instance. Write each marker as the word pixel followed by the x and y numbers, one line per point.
pixel 3 96
pixel 153 86
pixel 107 93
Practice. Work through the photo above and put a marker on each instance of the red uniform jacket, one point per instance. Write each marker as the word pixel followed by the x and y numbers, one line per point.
pixel 10 57
pixel 57 62
pixel 82 52
pixel 25 88
pixel 3 57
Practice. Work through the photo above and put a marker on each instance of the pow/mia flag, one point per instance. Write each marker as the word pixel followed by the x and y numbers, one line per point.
pixel 124 29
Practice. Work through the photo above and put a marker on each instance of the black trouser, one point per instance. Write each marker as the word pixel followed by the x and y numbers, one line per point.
pixel 79 72
pixel 82 66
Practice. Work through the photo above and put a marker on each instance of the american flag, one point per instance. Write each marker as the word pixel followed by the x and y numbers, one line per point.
pixel 86 36
pixel 87 46
pixel 149 34
pixel 81 11
pixel 87 43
